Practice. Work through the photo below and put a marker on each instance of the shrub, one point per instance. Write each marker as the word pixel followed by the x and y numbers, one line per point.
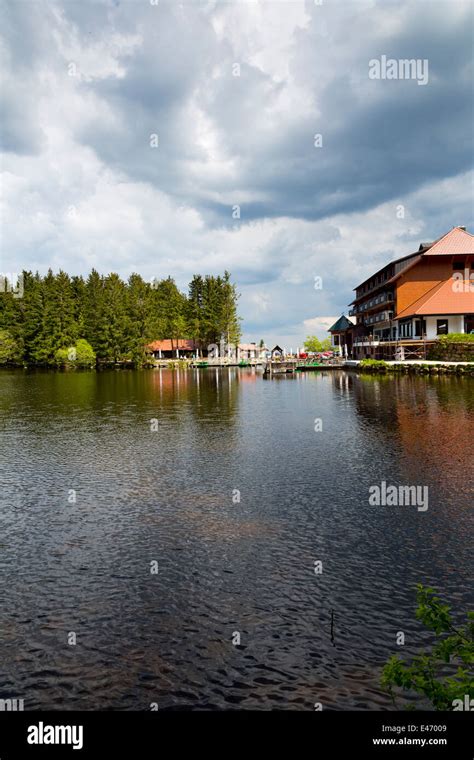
pixel 10 349
pixel 453 347
pixel 443 674
pixel 373 364
pixel 455 338
pixel 80 355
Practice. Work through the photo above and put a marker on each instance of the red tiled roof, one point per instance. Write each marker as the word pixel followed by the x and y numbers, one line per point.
pixel 455 241
pixel 169 345
pixel 443 299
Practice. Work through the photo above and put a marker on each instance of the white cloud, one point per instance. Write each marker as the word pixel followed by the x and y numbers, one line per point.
pixel 82 187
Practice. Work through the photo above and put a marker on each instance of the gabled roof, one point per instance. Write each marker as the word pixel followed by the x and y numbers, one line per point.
pixel 456 241
pixel 443 298
pixel 171 345
pixel 342 324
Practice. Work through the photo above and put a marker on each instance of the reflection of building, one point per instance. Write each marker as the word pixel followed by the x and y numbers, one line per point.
pixel 415 298
pixel 400 411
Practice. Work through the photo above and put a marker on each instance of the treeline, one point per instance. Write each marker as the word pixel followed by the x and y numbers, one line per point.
pixel 106 319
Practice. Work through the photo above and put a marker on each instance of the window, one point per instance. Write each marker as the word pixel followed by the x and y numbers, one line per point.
pixel 420 327
pixel 441 327
pixel 405 329
pixel 458 265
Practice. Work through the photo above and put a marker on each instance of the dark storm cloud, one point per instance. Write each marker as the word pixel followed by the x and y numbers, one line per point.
pixel 381 139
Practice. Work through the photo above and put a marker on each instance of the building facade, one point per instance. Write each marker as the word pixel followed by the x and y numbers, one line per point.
pixel 414 300
pixel 342 335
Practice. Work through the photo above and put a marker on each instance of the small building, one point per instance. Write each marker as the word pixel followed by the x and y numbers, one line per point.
pixel 178 348
pixel 251 351
pixel 277 351
pixel 341 335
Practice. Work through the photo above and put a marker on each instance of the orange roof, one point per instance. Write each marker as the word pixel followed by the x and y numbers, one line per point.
pixel 455 241
pixel 443 298
pixel 168 345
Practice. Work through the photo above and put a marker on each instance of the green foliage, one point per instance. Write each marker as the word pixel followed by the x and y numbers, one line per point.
pixel 57 327
pixel 169 311
pixel 80 355
pixel 113 319
pixel 212 310
pixel 373 365
pixel 455 338
pixel 10 350
pixel 458 347
pixel 314 345
pixel 445 673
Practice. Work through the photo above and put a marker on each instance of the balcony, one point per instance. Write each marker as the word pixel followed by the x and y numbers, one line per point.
pixel 381 316
pixel 371 303
pixel 367 341
pixel 374 285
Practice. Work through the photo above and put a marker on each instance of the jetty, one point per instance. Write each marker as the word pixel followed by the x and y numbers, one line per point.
pixel 224 361
pixel 289 366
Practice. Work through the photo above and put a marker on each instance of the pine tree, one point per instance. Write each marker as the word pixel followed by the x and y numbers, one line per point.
pixel 58 327
pixel 93 309
pixel 32 306
pixel 229 321
pixel 171 310
pixel 194 315
pixel 117 319
pixel 139 326
pixel 111 323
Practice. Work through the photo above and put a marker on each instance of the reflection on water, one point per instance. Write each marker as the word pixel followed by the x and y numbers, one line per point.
pixel 235 495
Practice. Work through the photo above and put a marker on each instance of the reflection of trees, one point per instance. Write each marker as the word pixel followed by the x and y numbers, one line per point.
pixel 214 393
pixel 123 397
pixel 201 393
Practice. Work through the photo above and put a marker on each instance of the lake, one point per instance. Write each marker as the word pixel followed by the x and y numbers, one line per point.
pixel 154 517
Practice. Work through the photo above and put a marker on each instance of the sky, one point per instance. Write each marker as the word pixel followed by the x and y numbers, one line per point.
pixel 174 138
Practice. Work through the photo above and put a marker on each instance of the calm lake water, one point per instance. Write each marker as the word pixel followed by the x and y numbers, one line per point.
pixel 170 495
